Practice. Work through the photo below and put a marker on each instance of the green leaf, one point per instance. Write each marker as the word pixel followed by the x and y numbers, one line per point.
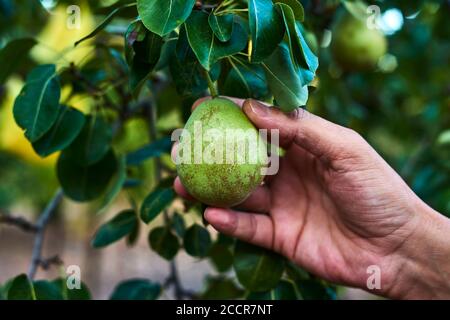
pixel 116 185
pixel 284 80
pixel 221 257
pixel 115 229
pixel 92 143
pixel 46 290
pixel 257 269
pixel 205 45
pixel 296 7
pixel 72 294
pixel 164 242
pixel 152 150
pixel 312 289
pixel 143 50
pixel 266 28
pixel 12 54
pixel 222 26
pixel 285 290
pixel 85 183
pixel 21 289
pixel 36 107
pixel 246 81
pixel 155 203
pixel 68 125
pixel 220 288
pixel 197 241
pixel 178 224
pixel 163 16
pixel 136 289
pixel 105 22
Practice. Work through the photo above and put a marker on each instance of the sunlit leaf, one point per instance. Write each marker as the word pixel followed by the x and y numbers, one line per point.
pixel 206 46
pixel 163 16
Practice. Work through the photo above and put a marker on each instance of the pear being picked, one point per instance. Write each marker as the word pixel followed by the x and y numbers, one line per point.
pixel 221 156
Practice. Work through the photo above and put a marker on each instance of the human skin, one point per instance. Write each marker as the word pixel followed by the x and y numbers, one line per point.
pixel 336 207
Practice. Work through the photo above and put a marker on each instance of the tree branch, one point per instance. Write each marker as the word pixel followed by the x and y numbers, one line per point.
pixel 41 224
pixel 16 221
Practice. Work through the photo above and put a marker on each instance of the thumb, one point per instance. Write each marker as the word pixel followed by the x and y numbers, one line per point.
pixel 322 138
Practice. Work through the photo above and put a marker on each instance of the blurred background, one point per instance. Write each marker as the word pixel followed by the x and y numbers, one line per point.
pixel 402 108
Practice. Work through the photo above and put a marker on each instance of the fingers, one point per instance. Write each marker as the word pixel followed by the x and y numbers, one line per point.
pixel 250 227
pixel 181 190
pixel 322 138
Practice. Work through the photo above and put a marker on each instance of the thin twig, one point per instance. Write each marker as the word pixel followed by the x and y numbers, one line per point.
pixel 20 222
pixel 41 224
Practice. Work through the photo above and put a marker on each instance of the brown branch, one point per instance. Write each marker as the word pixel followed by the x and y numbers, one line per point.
pixel 47 263
pixel 20 222
pixel 36 259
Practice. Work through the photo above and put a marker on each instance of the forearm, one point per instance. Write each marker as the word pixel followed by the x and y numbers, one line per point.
pixel 424 268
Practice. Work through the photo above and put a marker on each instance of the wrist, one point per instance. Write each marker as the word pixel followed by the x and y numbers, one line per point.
pixel 423 261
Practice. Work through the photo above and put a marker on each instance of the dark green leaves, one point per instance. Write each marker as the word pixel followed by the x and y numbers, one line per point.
pixel 12 55
pixel 221 257
pixel 257 269
pixel 85 183
pixel 136 289
pixel 266 28
pixel 154 149
pixel 284 80
pixel 92 143
pixel 206 46
pixel 142 51
pixel 120 226
pixel 156 202
pixel 64 131
pixel 47 290
pixel 285 290
pixel 197 241
pixel 36 107
pixel 246 81
pixel 163 16
pixel 21 289
pixel 164 242
pixel 222 26
pixel 221 288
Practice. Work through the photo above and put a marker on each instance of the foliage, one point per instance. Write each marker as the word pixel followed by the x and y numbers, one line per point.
pixel 168 54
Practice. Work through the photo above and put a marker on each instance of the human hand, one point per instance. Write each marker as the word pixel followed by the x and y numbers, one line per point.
pixel 336 207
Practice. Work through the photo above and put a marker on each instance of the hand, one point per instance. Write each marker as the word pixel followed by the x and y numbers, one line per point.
pixel 336 207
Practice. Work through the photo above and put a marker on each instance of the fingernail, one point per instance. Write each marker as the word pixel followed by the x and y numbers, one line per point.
pixel 258 108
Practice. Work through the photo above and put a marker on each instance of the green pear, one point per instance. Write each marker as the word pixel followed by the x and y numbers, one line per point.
pixel 355 47
pixel 221 155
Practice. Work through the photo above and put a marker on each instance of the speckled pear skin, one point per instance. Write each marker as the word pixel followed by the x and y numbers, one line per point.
pixel 220 184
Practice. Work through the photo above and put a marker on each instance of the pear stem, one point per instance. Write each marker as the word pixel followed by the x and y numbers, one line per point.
pixel 211 86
